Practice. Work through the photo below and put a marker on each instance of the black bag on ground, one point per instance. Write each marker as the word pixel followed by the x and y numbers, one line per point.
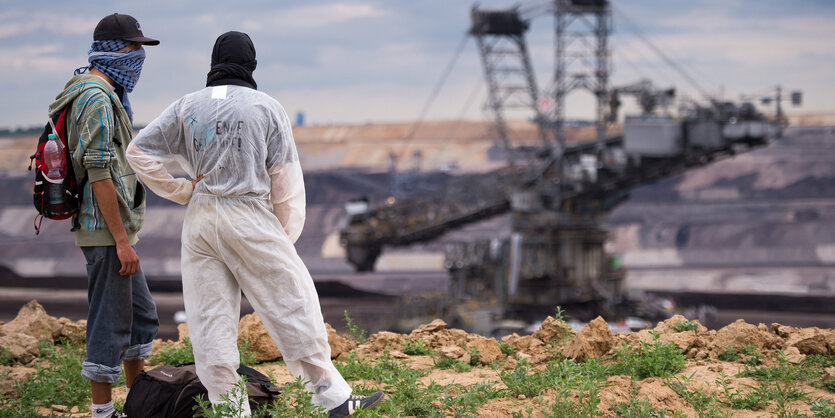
pixel 169 391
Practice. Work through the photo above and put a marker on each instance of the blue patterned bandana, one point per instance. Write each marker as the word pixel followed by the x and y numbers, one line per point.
pixel 122 67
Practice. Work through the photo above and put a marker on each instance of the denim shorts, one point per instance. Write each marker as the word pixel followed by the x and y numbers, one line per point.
pixel 122 317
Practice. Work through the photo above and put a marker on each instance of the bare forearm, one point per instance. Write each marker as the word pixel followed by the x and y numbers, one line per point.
pixel 105 193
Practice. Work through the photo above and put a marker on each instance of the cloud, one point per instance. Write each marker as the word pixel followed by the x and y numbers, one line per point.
pixel 314 16
pixel 33 62
pixel 17 23
pixel 379 60
pixel 373 101
pixel 720 49
pixel 206 19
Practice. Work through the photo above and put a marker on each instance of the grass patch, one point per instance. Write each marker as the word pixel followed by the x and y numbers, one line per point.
pixel 458 400
pixel 747 353
pixel 782 372
pixel 384 370
pixel 684 325
pixel 648 360
pixel 416 348
pixel 730 354
pixel 522 381
pixel 769 392
pixel 820 361
pixel 507 349
pixel 475 357
pixel 566 374
pixel 704 403
pixel 823 408
pixel 577 386
pixel 451 363
pixel 293 401
pixel 756 398
pixel 56 381
pixel 182 355
pixel 752 356
pixel 248 358
pixel 563 388
pixel 408 397
pixel 638 408
pixel 174 355
pixel 815 364
pixel 6 357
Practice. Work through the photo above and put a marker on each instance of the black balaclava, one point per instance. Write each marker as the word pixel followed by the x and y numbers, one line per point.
pixel 233 61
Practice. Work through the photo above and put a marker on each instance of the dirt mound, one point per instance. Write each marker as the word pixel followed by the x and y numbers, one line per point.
pixel 594 340
pixel 720 364
pixel 740 334
pixel 21 335
pixel 807 340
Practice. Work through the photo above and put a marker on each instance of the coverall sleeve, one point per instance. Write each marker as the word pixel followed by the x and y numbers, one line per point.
pixel 287 192
pixel 96 137
pixel 288 198
pixel 157 144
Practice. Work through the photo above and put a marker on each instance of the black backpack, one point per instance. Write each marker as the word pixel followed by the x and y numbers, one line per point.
pixel 68 191
pixel 169 391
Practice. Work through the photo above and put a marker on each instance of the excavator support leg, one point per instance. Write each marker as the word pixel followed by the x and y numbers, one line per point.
pixel 362 257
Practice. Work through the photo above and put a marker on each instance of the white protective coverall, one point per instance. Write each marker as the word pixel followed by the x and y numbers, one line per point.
pixel 238 233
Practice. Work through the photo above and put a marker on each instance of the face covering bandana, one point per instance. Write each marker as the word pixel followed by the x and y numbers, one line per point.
pixel 122 67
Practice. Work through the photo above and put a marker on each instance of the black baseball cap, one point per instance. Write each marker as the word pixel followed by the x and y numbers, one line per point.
pixel 121 27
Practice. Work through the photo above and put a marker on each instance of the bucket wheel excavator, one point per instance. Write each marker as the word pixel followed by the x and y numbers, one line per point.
pixel 557 194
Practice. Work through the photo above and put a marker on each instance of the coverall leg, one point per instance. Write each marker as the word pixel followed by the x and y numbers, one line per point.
pixel 254 252
pixel 212 300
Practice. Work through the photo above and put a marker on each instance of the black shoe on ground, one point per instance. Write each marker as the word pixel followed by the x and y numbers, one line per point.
pixel 356 402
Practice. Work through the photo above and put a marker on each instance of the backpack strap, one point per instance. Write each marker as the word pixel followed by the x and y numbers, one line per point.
pixel 76 224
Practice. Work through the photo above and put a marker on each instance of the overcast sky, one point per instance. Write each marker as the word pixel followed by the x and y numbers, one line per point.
pixel 360 61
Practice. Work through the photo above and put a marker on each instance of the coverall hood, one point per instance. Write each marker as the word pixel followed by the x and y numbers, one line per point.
pixel 233 61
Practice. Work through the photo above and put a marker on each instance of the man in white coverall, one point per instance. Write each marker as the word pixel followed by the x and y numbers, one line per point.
pixel 246 208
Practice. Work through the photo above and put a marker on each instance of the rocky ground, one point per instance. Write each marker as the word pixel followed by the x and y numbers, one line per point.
pixel 727 364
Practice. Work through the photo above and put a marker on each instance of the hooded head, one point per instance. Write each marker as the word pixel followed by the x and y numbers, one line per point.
pixel 233 61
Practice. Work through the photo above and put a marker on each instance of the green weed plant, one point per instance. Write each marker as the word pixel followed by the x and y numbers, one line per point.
pixel 56 381
pixel 416 348
pixel 175 356
pixel 507 349
pixel 451 363
pixel 684 325
pixel 638 408
pixel 649 360
pixel 6 357
pixel 354 331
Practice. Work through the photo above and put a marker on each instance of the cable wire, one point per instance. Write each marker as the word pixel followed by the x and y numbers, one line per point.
pixel 687 77
pixel 477 88
pixel 432 98
pixel 438 85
